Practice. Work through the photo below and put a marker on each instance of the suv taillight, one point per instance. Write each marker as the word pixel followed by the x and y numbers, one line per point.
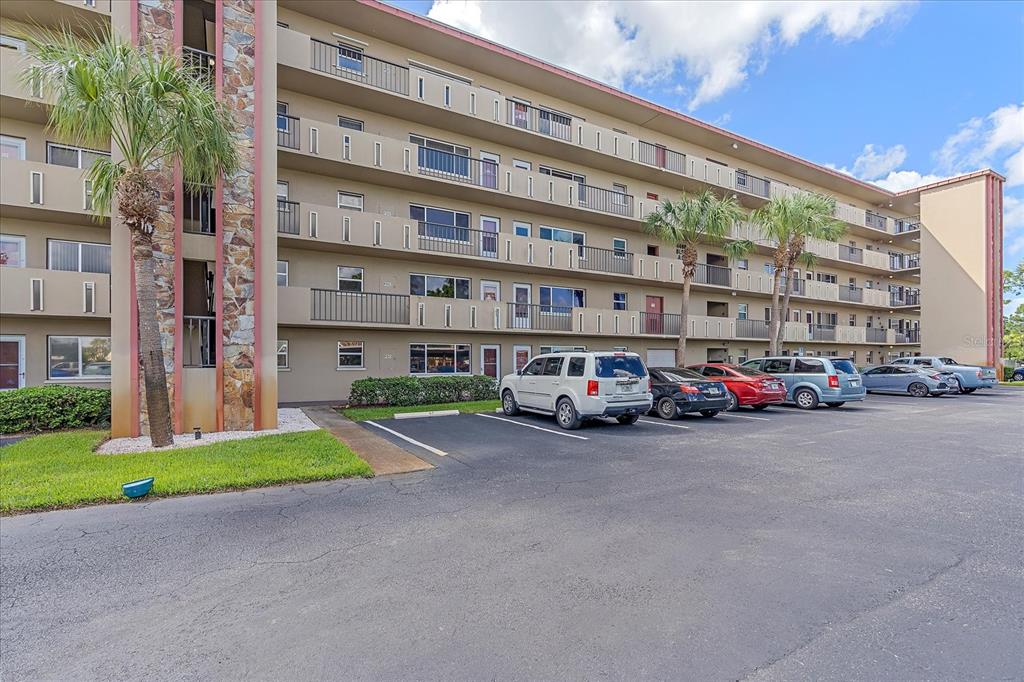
pixel 650 385
pixel 979 374
pixel 592 387
pixel 686 388
pixel 833 381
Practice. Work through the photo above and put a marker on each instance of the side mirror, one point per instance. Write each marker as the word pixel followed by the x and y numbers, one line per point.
pixel 519 372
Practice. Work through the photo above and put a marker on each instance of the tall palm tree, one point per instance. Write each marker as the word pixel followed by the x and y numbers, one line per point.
pixel 688 222
pixel 788 222
pixel 155 112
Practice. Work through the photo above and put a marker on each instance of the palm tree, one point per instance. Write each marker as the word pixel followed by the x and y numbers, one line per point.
pixel 688 222
pixel 155 112
pixel 788 222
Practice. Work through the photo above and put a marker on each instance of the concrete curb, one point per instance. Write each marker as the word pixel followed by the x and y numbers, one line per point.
pixel 435 413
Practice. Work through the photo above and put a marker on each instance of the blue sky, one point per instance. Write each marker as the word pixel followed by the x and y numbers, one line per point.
pixel 937 88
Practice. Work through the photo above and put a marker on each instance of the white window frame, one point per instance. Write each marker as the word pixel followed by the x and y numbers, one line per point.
pixel 282 351
pixel 77 150
pixel 349 119
pixel 9 42
pixel 282 110
pixel 351 195
pixel 360 280
pixel 625 300
pixel 88 297
pixel 13 141
pixel 455 350
pixel 79 245
pixel 522 165
pixel 79 376
pixel 358 55
pixel 349 345
pixel 455 285
pixel 279 272
pixel 20 340
pixel 619 252
pixel 516 224
pixel 742 311
pixel 20 240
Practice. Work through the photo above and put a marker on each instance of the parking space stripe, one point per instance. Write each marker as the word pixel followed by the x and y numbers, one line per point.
pixel 531 426
pixel 675 426
pixel 406 438
pixel 743 416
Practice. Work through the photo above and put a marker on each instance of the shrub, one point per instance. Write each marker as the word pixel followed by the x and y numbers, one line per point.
pixel 405 391
pixel 45 408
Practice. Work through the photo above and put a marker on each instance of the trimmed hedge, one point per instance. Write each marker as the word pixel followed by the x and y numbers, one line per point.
pixel 46 408
pixel 405 391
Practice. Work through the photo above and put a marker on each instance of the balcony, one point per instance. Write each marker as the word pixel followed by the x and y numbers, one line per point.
pixel 54 293
pixel 329 305
pixel 33 189
pixel 851 294
pixel 875 221
pixel 905 261
pixel 201 63
pixel 198 347
pixel 660 156
pixel 713 274
pixel 660 324
pixel 288 216
pixel 753 184
pixel 456 241
pixel 550 318
pixel 355 65
pixel 851 254
pixel 821 332
pixel 457 168
pixel 904 298
pixel 752 329
pixel 605 200
pixel 543 121
pixel 875 335
pixel 904 225
pixel 605 260
pixel 287 131
pixel 199 211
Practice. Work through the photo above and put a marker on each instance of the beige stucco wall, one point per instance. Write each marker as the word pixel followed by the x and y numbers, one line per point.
pixel 35 330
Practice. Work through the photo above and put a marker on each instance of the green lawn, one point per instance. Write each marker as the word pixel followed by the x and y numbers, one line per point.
pixel 61 470
pixel 361 414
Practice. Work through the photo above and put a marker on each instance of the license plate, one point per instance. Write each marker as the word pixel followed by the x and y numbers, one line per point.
pixel 713 391
pixel 855 382
pixel 630 388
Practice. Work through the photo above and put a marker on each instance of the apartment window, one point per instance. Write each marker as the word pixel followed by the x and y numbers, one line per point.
pixel 767 314
pixel 565 175
pixel 439 286
pixel 350 201
pixel 652 249
pixel 557 234
pixel 11 43
pixel 769 268
pixel 78 256
pixel 442 156
pixel 741 311
pixel 35 293
pixel 825 277
pixel 350 123
pixel 12 148
pixel 743 354
pixel 72 157
pixel 439 358
pixel 439 222
pixel 521 229
pixel 421 87
pixel 447 95
pixel 853 320
pixel 350 279
pixel 619 193
pixel 522 165
pixel 619 300
pixel 742 264
pixel 87 195
pixel 35 187
pixel 350 355
pixel 282 116
pixel 619 247
pixel 562 349
pixel 78 357
pixel 12 251
pixel 88 297
pixel 350 58
pixel 282 273
pixel 282 190
pixel 560 299
pixel 314 141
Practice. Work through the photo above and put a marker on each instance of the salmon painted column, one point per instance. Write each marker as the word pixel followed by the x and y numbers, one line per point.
pixel 236 32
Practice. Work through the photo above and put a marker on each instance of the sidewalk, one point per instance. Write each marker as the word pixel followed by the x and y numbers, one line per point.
pixel 382 455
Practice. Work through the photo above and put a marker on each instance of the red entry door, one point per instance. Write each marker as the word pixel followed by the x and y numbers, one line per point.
pixel 654 309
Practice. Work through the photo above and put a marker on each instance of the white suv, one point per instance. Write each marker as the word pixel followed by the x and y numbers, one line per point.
pixel 578 386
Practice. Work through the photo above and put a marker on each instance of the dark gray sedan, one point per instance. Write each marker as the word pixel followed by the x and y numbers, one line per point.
pixel 919 382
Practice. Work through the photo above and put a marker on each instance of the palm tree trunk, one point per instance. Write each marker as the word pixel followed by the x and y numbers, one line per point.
pixel 684 325
pixel 776 323
pixel 784 312
pixel 151 353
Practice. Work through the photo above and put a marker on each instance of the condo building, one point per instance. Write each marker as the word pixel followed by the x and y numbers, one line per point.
pixel 415 200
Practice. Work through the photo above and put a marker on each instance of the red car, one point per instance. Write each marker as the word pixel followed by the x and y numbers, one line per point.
pixel 746 386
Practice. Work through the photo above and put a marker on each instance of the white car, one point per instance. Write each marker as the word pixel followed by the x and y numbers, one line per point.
pixel 579 386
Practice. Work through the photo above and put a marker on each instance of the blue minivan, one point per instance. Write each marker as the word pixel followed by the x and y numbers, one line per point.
pixel 814 380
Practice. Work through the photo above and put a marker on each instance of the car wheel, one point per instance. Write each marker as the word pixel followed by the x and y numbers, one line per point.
pixel 508 404
pixel 1017 376
pixel 918 390
pixel 667 408
pixel 805 399
pixel 709 413
pixel 968 390
pixel 839 404
pixel 566 415
pixel 958 385
pixel 628 418
pixel 734 402
pixel 760 407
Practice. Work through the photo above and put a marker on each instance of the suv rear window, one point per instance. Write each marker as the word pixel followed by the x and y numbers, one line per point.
pixel 613 366
pixel 808 366
pixel 844 366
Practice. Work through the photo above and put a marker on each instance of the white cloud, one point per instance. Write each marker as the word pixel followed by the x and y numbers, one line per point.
pixel 622 42
pixel 1013 214
pixel 900 181
pixel 872 163
pixel 996 140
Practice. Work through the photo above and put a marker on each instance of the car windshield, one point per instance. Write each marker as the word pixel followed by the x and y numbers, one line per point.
pixel 844 366
pixel 619 366
pixel 948 361
pixel 681 374
pixel 751 372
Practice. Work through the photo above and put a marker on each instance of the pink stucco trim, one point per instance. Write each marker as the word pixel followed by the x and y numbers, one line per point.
pixel 179 262
pixel 257 399
pixel 952 181
pixel 218 199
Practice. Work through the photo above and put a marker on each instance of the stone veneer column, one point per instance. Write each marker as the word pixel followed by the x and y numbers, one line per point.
pixel 238 235
pixel 156 29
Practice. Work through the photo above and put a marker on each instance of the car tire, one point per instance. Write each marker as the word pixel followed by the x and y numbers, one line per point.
pixel 760 407
pixel 1017 376
pixel 709 413
pixel 959 385
pixel 839 404
pixel 566 415
pixel 968 390
pixel 918 390
pixel 628 418
pixel 734 402
pixel 508 404
pixel 805 399
pixel 666 408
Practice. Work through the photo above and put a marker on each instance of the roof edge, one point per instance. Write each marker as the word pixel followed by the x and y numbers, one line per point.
pixel 953 180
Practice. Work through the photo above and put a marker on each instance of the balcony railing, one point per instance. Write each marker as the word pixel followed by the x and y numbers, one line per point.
pixel 752 329
pixel 329 305
pixel 821 332
pixel 461 241
pixel 457 168
pixel 543 121
pixel 605 200
pixel 662 157
pixel 851 254
pixel 202 64
pixel 904 298
pixel 605 260
pixel 902 225
pixel 798 288
pixel 287 216
pixel 875 221
pixel 662 324
pixel 287 131
pixel 197 337
pixel 874 335
pixel 199 213
pixel 553 318
pixel 354 65
pixel 851 294
pixel 753 184
pixel 905 261
pixel 713 274
pixel 913 336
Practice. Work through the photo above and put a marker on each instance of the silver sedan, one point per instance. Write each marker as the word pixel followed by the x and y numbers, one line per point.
pixel 919 382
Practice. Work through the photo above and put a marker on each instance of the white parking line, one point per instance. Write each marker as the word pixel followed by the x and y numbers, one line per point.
pixel 531 426
pixel 675 426
pixel 406 438
pixel 743 416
